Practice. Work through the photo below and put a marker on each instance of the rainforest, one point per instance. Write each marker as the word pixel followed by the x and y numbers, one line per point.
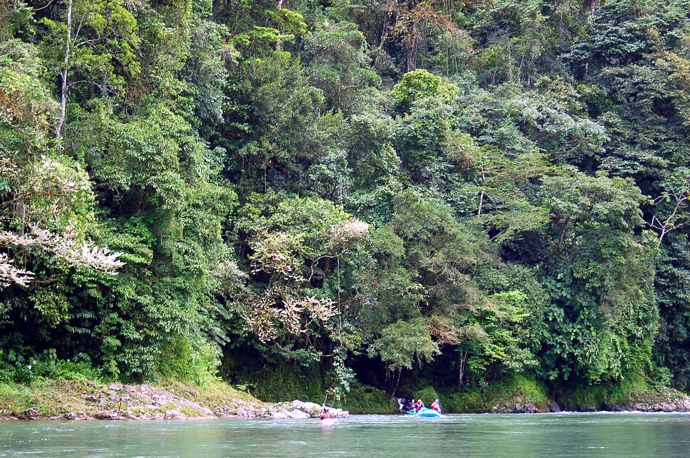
pixel 347 201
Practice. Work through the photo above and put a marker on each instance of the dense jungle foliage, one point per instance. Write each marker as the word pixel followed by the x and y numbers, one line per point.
pixel 310 196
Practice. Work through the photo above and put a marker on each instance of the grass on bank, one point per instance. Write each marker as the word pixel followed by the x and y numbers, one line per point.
pixel 46 397
pixel 59 387
pixel 213 393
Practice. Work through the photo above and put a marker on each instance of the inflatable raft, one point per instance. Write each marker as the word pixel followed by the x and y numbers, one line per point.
pixel 426 413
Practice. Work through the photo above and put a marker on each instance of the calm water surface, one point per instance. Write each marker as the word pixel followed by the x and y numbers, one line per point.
pixel 572 435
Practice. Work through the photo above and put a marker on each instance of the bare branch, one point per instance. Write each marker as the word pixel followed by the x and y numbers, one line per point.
pixel 680 195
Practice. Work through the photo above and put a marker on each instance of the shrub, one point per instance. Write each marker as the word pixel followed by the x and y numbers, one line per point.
pixel 426 394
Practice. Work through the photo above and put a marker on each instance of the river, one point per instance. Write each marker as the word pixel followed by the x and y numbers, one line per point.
pixel 541 435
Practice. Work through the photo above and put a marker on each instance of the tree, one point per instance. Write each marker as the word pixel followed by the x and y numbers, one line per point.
pixel 603 310
pixel 402 344
pixel 272 124
pixel 502 198
pixel 295 246
pixel 413 20
pixel 98 39
pixel 337 62
pixel 318 193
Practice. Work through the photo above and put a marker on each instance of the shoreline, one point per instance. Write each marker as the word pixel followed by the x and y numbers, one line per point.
pixel 12 418
pixel 72 400
pixel 87 400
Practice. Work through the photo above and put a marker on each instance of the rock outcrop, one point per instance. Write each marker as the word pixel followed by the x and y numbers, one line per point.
pixel 664 400
pixel 87 401
pixel 294 410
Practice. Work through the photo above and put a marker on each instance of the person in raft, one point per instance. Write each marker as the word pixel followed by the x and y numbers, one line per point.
pixel 436 406
pixel 325 414
pixel 411 405
pixel 420 405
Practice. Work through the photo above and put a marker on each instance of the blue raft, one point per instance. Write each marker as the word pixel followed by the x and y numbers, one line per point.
pixel 426 413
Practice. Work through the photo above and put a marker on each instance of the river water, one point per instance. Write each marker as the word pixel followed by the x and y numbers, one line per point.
pixel 541 435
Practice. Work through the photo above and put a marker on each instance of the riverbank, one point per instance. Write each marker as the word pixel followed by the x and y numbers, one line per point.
pixel 171 400
pixel 525 394
pixel 88 400
pixel 522 398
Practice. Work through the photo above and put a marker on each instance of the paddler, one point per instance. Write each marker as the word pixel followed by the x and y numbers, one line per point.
pixel 411 406
pixel 436 406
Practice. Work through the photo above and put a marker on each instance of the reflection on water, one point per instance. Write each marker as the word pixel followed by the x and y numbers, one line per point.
pixel 550 435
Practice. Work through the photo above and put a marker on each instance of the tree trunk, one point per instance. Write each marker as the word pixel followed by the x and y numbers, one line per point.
pixel 279 45
pixel 397 382
pixel 412 49
pixel 461 367
pixel 63 73
pixel 481 194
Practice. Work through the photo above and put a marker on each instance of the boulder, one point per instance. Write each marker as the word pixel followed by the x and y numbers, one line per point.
pixel 174 415
pixel 685 405
pixel 312 409
pixel 75 416
pixel 297 415
pixel 108 416
pixel 30 414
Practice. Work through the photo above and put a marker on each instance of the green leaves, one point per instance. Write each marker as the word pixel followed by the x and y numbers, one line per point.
pixel 337 62
pixel 603 277
pixel 102 49
pixel 272 172
pixel 420 84
pixel 577 199
pixel 620 33
pixel 27 108
pixel 145 156
pixel 287 25
pixel 550 120
pixel 297 245
pixel 403 343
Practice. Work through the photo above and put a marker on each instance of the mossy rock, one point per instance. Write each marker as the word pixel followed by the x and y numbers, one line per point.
pixel 519 393
pixel 604 397
pixel 464 401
